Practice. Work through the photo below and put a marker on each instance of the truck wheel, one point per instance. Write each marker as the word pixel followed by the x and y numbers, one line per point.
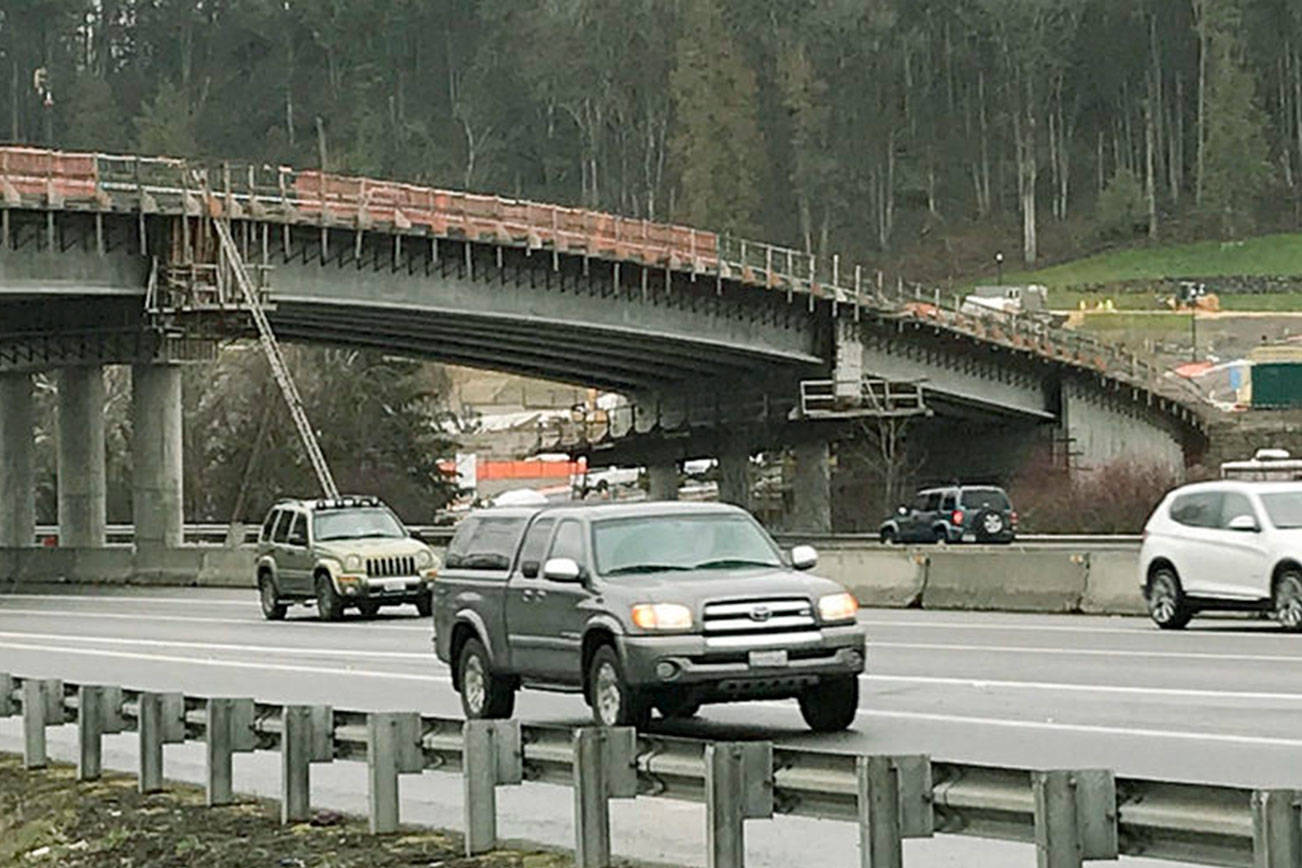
pixel 484 696
pixel 368 608
pixel 272 608
pixel 329 605
pixel 678 708
pixel 830 706
pixel 425 604
pixel 614 703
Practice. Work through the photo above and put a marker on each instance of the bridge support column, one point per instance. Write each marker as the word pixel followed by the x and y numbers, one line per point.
pixel 734 476
pixel 662 480
pixel 156 505
pixel 82 486
pixel 17 476
pixel 811 489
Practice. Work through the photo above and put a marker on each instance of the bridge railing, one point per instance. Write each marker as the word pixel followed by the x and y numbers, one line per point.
pixel 1070 815
pixel 54 179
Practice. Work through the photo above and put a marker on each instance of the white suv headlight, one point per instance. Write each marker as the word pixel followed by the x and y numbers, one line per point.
pixel 353 563
pixel 424 559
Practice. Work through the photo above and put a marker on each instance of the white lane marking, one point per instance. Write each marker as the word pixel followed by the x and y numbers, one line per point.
pixel 1227 738
pixel 900 715
pixel 1092 652
pixel 1057 687
pixel 258 621
pixel 234 664
pixel 1140 629
pixel 283 650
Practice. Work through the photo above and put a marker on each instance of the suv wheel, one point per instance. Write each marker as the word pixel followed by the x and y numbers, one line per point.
pixel 1288 601
pixel 272 608
pixel 989 524
pixel 1166 603
pixel 329 605
pixel 368 608
pixel 888 536
pixel 614 703
pixel 484 696
pixel 830 706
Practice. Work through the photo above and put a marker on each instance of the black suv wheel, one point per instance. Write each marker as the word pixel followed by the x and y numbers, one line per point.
pixel 272 608
pixel 830 706
pixel 329 605
pixel 1165 599
pixel 484 696
pixel 613 702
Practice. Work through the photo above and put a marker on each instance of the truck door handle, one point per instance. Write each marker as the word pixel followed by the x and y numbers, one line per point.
pixel 539 594
pixel 526 594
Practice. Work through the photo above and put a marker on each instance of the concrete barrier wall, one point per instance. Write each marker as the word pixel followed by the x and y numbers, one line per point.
pixel 211 567
pixel 1097 580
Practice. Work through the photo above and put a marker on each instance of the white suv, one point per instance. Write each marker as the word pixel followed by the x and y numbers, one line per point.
pixel 1224 546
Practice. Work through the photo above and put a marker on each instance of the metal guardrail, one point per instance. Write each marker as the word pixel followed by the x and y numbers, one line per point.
pixel 1071 816
pixel 157 185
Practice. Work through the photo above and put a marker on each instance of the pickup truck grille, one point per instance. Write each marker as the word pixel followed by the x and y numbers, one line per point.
pixel 758 617
pixel 379 568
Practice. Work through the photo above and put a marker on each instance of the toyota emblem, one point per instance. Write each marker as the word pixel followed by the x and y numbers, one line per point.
pixel 760 613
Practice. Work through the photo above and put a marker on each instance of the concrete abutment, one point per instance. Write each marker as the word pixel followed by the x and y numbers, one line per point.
pixel 82 486
pixel 17 461
pixel 156 451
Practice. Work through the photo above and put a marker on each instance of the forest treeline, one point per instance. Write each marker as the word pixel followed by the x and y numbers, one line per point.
pixel 882 128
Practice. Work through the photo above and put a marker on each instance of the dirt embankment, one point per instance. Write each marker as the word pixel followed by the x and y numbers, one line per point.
pixel 47 819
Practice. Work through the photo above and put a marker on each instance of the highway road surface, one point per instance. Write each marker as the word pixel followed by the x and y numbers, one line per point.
pixel 1218 703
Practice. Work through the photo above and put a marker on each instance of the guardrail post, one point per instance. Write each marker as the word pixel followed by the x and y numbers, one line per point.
pixel 392 748
pixel 42 700
pixel 1075 817
pixel 894 803
pixel 99 711
pixel 492 755
pixel 738 787
pixel 306 736
pixel 161 720
pixel 8 707
pixel 604 768
pixel 228 729
pixel 1276 829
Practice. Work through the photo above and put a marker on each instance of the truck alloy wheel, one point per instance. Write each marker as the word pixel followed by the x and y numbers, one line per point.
pixel 614 703
pixel 484 696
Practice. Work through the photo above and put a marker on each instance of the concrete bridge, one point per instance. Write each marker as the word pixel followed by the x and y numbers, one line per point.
pixel 113 260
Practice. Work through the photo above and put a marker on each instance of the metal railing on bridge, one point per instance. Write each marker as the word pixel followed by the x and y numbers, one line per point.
pixel 217 534
pixel 1070 815
pixel 45 179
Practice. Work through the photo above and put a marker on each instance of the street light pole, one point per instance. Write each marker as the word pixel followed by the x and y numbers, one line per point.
pixel 999 266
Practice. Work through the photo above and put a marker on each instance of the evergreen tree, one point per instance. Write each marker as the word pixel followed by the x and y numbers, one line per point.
pixel 715 146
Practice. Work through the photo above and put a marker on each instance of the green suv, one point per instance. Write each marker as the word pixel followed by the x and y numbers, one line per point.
pixel 348 551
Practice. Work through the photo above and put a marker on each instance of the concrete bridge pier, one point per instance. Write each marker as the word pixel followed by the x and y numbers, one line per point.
pixel 17 474
pixel 811 489
pixel 735 475
pixel 662 480
pixel 82 486
pixel 156 454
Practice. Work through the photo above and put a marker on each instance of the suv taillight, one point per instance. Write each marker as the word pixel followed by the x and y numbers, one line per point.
pixel 957 517
pixel 1012 517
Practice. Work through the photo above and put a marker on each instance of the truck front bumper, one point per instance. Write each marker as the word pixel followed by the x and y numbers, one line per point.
pixel 671 663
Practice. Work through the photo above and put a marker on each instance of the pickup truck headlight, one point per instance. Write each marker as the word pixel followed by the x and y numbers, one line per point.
pixel 838 607
pixel 352 563
pixel 424 559
pixel 662 616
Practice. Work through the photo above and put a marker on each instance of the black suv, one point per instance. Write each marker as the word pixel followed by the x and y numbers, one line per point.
pixel 955 513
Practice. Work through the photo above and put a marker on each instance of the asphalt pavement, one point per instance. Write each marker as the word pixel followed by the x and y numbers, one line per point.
pixel 1218 703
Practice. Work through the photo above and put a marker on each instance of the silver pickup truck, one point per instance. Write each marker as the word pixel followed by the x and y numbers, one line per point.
pixel 641 606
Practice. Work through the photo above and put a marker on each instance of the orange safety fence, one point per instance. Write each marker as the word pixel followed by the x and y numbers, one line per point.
pixel 485 470
pixel 52 174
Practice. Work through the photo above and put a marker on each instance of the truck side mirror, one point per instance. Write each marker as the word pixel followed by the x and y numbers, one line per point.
pixel 562 570
pixel 529 569
pixel 804 558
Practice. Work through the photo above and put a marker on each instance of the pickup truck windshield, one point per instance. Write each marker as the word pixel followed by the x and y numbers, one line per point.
pixel 364 523
pixel 663 543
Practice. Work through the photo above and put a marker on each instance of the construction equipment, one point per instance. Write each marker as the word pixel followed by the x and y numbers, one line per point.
pixel 267 340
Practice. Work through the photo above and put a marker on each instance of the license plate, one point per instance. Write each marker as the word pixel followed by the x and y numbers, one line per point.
pixel 760 659
pixel 969 537
pixel 398 585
